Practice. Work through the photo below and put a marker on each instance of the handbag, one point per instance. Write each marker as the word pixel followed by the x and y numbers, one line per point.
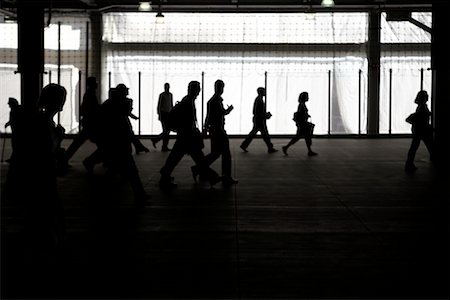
pixel 307 128
pixel 411 119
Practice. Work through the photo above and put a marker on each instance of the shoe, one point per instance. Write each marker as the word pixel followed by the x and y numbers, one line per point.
pixel 410 167
pixel 194 170
pixel 154 142
pixel 243 148
pixel 229 181
pixel 142 149
pixel 215 180
pixel 284 148
pixel 165 149
pixel 312 153
pixel 272 150
pixel 89 166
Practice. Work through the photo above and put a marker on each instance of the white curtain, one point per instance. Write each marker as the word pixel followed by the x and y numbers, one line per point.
pixel 288 74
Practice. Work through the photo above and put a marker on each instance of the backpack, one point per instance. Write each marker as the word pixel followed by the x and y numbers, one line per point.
pixel 174 117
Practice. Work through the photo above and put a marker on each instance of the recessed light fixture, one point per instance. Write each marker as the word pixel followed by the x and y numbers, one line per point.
pixel 327 3
pixel 145 6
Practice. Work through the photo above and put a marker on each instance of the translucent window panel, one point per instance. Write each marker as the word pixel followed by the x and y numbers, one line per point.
pixel 288 74
pixel 404 31
pixel 236 28
pixel 9 87
pixel 8 35
pixel 406 83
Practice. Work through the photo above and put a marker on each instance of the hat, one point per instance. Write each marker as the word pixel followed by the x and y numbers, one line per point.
pixel 121 86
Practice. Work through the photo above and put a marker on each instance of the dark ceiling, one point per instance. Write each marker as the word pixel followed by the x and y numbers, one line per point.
pixel 218 5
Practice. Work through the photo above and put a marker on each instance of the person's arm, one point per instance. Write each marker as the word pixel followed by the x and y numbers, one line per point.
pixel 160 101
pixel 228 110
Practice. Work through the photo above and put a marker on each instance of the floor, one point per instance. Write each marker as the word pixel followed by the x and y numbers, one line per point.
pixel 348 223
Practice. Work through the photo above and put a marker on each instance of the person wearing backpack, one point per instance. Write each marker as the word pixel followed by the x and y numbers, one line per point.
pixel 189 140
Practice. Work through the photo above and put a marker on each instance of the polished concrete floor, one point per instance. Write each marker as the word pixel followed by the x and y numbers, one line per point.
pixel 348 224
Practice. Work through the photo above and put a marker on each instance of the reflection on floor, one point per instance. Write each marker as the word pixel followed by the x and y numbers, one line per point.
pixel 349 223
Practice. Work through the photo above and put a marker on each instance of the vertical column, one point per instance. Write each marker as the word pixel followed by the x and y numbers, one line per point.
pixel 390 101
pixel 440 64
pixel 79 101
pixel 329 102
pixel 30 53
pixel 94 50
pixel 59 63
pixel 373 55
pixel 359 100
pixel 203 100
pixel 139 102
pixel 421 79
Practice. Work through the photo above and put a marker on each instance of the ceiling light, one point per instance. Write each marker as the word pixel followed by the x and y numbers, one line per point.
pixel 327 3
pixel 159 17
pixel 145 6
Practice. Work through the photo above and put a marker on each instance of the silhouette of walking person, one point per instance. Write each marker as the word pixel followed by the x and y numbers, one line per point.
pixel 115 139
pixel 304 128
pixel 33 172
pixel 165 104
pixel 215 123
pixel 122 90
pixel 15 114
pixel 421 130
pixel 260 116
pixel 189 140
pixel 90 108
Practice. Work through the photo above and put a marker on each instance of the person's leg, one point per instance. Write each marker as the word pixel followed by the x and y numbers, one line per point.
pixel 203 169
pixel 427 139
pixel 175 156
pixel 308 141
pixel 138 146
pixel 165 134
pixel 250 137
pixel 76 144
pixel 294 140
pixel 215 149
pixel 130 171
pixel 409 166
pixel 266 137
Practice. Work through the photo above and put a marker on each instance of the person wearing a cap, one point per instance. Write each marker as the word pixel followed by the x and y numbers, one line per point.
pixel 122 91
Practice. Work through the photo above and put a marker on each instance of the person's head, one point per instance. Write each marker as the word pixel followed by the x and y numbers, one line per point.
pixel 166 87
pixel 12 102
pixel 52 98
pixel 194 88
pixel 91 83
pixel 422 97
pixel 122 90
pixel 261 91
pixel 218 87
pixel 303 97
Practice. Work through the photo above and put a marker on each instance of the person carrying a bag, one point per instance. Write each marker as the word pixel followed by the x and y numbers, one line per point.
pixel 421 130
pixel 304 128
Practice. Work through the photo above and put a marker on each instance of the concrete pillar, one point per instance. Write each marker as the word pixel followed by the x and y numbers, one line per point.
pixel 440 63
pixel 373 55
pixel 30 53
pixel 95 51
